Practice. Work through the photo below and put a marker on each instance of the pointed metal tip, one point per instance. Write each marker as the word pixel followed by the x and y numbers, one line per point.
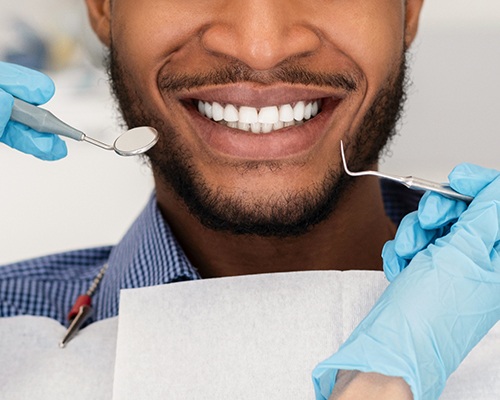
pixel 344 162
pixel 359 173
pixel 83 315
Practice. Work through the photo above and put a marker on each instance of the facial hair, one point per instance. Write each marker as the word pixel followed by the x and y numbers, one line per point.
pixel 281 215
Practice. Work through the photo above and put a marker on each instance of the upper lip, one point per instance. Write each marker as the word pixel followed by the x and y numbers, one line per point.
pixel 243 94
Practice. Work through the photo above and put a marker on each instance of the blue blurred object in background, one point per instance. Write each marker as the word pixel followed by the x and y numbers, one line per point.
pixel 28 47
pixel 51 35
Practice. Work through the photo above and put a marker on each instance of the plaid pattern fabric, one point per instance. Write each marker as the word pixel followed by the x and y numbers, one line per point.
pixel 147 255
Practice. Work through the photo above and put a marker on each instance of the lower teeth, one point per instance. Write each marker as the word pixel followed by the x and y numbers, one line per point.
pixel 259 127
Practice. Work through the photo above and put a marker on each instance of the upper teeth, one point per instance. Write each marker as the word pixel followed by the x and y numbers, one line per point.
pixel 263 120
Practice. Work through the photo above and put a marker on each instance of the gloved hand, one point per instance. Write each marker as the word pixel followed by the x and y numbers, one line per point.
pixel 449 290
pixel 33 87
pixel 434 218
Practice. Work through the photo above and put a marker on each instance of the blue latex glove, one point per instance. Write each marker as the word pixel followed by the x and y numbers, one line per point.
pixel 439 307
pixel 33 87
pixel 434 218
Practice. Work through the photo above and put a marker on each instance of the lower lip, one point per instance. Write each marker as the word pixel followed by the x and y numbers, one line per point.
pixel 281 144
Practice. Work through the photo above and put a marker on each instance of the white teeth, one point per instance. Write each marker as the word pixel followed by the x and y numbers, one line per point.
pixel 231 113
pixel 278 125
pixel 256 127
pixel 243 126
pixel 265 120
pixel 286 113
pixel 314 109
pixel 208 110
pixel 298 111
pixel 269 115
pixel 267 128
pixel 308 111
pixel 201 107
pixel 249 115
pixel 217 112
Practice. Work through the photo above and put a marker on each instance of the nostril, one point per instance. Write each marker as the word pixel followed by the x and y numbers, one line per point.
pixel 260 47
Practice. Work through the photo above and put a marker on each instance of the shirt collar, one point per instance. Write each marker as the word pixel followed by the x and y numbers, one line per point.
pixel 148 255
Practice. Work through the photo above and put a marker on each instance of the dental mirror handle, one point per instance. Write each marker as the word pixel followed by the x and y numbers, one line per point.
pixel 42 120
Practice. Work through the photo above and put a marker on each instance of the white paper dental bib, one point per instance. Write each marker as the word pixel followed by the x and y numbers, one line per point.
pixel 252 337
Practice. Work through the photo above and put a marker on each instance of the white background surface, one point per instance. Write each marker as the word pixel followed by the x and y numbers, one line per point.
pixel 91 197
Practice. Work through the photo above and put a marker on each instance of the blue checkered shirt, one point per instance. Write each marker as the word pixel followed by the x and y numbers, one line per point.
pixel 147 255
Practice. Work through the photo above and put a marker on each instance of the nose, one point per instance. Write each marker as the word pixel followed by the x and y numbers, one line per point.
pixel 261 33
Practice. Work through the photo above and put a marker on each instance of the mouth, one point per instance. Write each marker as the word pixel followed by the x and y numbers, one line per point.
pixel 262 120
pixel 272 123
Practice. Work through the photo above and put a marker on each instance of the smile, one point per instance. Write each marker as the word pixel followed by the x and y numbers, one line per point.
pixel 260 120
pixel 245 121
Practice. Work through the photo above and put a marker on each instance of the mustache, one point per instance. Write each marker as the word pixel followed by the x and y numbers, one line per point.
pixel 237 73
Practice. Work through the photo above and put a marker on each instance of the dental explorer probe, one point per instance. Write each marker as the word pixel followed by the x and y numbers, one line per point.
pixel 132 142
pixel 410 182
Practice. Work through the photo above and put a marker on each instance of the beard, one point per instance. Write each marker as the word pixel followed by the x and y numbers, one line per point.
pixel 280 215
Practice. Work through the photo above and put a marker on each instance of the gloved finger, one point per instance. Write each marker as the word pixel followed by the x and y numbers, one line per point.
pixel 490 193
pixel 477 232
pixel 6 102
pixel 470 179
pixel 393 264
pixel 26 84
pixel 324 379
pixel 42 145
pixel 474 241
pixel 411 237
pixel 436 211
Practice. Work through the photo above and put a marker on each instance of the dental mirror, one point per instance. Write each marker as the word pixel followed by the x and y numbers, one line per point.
pixel 131 143
pixel 136 141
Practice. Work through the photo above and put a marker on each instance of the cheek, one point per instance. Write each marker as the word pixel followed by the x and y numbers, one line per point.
pixel 146 32
pixel 370 33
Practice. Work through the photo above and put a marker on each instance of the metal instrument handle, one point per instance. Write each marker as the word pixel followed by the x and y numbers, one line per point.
pixel 42 120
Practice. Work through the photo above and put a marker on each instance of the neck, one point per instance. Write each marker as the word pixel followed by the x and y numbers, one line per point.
pixel 351 238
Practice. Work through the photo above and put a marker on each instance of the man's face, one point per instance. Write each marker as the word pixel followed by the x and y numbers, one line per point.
pixel 252 98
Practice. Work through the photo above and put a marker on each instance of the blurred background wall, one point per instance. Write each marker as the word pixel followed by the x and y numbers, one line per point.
pixel 91 197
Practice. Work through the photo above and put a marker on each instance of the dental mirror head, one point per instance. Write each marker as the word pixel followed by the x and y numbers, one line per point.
pixel 131 143
pixel 136 141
